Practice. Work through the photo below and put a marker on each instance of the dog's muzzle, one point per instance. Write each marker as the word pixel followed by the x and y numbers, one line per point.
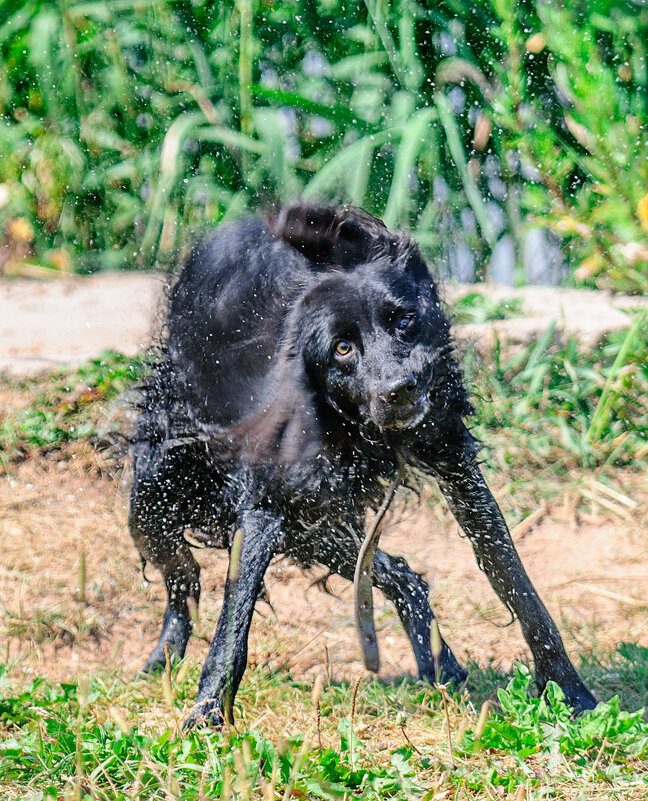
pixel 403 403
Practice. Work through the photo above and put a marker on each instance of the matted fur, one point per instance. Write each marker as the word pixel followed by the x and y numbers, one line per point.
pixel 307 357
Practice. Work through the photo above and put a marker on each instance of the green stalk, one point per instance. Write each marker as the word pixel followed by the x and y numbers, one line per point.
pixel 603 410
pixel 70 38
pixel 471 189
pixel 245 65
pixel 387 41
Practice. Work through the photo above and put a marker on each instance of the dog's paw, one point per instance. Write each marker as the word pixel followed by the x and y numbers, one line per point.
pixel 455 674
pixel 576 694
pixel 449 670
pixel 579 698
pixel 157 661
pixel 206 714
pixel 154 665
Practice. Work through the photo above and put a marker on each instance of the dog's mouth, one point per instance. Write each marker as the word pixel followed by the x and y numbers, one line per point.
pixel 401 417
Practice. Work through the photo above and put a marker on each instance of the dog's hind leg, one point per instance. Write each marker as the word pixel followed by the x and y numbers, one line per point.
pixel 261 534
pixel 156 527
pixel 408 591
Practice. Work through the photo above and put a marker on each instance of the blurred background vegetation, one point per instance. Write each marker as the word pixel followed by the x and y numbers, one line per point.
pixel 509 138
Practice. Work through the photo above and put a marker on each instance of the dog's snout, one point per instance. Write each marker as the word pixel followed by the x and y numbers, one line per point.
pixel 402 391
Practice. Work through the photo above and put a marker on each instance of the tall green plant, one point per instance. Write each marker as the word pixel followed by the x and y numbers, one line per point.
pixel 127 126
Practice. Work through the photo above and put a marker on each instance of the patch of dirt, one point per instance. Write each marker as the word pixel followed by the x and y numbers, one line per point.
pixel 592 573
pixel 588 315
pixel 49 324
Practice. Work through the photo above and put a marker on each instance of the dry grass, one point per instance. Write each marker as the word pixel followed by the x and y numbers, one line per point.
pixel 588 560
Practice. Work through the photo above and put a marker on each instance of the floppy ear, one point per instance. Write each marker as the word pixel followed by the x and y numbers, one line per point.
pixel 345 237
pixel 286 430
pixel 327 235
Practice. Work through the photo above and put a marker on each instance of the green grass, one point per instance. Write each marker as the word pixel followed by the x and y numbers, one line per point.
pixel 476 308
pixel 564 405
pixel 66 406
pixel 129 125
pixel 105 737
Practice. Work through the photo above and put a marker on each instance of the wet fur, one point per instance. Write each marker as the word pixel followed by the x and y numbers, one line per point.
pixel 252 422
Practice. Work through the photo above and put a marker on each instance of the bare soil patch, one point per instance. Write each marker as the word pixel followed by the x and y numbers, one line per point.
pixel 50 324
pixel 591 569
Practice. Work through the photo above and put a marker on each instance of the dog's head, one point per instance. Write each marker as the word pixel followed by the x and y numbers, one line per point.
pixel 367 340
pixel 375 344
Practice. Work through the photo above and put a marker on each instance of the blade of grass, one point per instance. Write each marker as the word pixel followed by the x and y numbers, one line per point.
pixel 603 410
pixel 170 164
pixel 375 12
pixel 338 113
pixel 453 137
pixel 360 177
pixel 336 171
pixel 412 142
pixel 274 161
pixel 231 139
pixel 538 351
pixel 245 64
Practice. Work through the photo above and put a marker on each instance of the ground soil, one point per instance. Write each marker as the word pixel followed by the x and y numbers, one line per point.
pixel 588 560
pixel 590 568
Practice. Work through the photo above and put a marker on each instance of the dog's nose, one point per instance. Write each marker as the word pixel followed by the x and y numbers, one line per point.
pixel 402 391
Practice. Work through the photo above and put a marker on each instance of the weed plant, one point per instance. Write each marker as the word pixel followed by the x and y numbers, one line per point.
pixel 128 126
pixel 559 402
pixel 90 739
pixel 66 406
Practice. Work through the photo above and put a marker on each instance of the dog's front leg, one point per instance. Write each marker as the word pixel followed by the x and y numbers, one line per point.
pixel 261 532
pixel 479 516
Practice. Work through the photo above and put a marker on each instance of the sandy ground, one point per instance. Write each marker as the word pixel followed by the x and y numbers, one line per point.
pixel 50 324
pixel 590 568
pixel 47 324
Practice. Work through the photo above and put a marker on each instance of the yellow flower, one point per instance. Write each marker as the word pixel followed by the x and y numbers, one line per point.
pixel 642 212
pixel 535 43
pixel 21 228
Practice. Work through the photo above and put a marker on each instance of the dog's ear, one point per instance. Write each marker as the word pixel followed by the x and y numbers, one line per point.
pixel 327 235
pixel 345 237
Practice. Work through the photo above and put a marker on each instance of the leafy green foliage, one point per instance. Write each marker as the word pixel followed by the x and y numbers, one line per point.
pixel 65 406
pixel 560 399
pixel 527 725
pixel 91 737
pixel 477 308
pixel 66 732
pixel 128 126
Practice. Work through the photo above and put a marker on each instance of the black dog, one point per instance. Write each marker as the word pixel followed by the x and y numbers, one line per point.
pixel 307 359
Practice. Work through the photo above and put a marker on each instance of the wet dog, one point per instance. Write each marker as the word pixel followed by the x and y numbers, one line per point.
pixel 307 361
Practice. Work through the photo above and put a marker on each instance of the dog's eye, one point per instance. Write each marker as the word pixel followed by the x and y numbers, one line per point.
pixel 405 321
pixel 343 348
